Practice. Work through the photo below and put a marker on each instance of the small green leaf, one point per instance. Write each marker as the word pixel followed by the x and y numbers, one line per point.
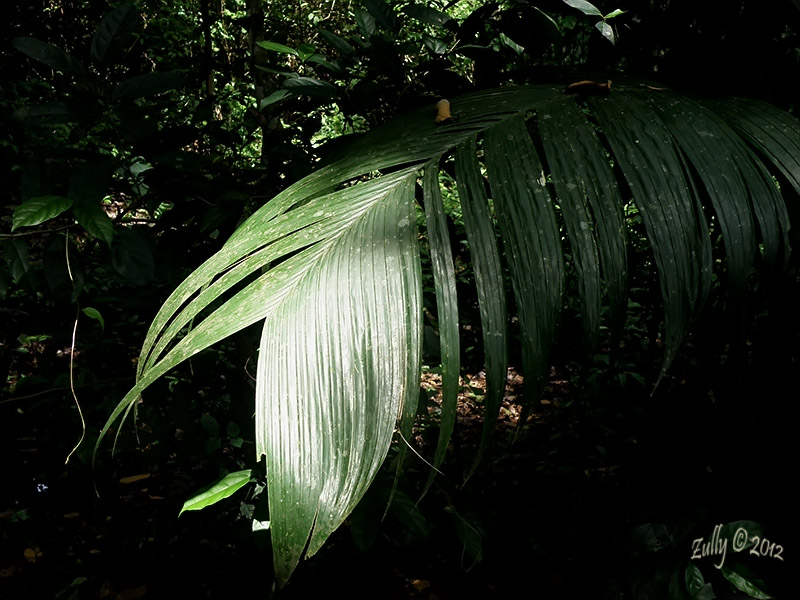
pixel 585 7
pixel 366 23
pixel 306 51
pixel 224 488
pixel 273 98
pixel 15 253
pixel 38 210
pixel 614 13
pixel 276 47
pixel 694 579
pixel 606 30
pixel 308 86
pixel 435 45
pixel 337 43
pixel 745 582
pixel 95 221
pixel 93 313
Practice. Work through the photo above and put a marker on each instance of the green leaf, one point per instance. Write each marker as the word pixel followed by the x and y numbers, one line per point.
pixel 344 446
pixel 383 14
pixel 485 255
pixel 366 23
pixel 429 16
pixel 657 177
pixel 149 84
pixel 276 47
pixel 606 30
pixel 339 44
pixel 614 13
pixel 694 579
pixel 532 240
pixel 50 55
pixel 15 253
pixel 305 51
pixel 744 581
pixel 35 211
pixel 320 60
pixel 93 313
pixel 435 45
pixel 224 488
pixel 95 221
pixel 114 27
pixel 308 86
pixel 274 97
pixel 331 267
pixel 446 308
pixel 469 536
pixel 585 7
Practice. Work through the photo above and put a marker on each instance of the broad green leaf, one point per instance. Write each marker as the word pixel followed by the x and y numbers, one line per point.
pixel 429 16
pixel 367 323
pixel 366 23
pixel 115 25
pixel 35 211
pixel 224 488
pixel 585 7
pixel 95 221
pixel 50 55
pixel 308 86
pixel 93 313
pixel 383 14
pixel 149 84
pixel 276 47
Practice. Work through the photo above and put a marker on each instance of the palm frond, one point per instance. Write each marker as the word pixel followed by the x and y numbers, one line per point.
pixel 331 265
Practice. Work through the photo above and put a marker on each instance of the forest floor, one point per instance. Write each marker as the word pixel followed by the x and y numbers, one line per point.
pixel 591 498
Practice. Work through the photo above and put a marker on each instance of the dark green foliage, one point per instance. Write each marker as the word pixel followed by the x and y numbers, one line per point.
pixel 138 136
